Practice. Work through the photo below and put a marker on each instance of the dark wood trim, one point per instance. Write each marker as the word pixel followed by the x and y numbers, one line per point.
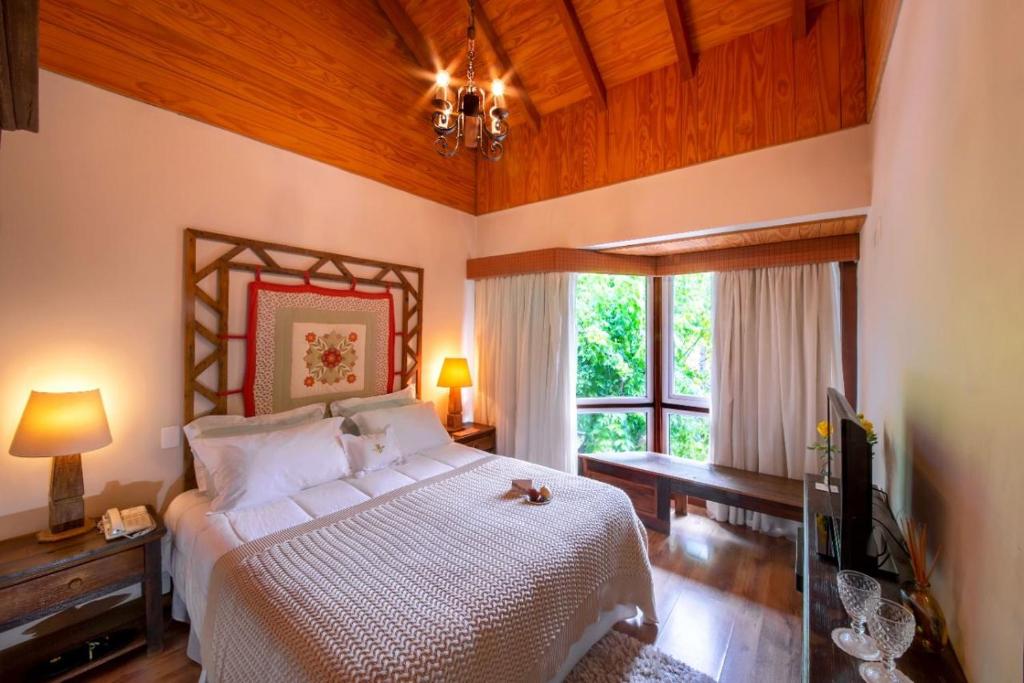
pixel 801 230
pixel 557 260
pixel 151 592
pixel 800 23
pixel 19 65
pixel 604 405
pixel 656 309
pixel 848 327
pixel 505 63
pixel 407 281
pixel 836 248
pixel 792 253
pixel 677 23
pixel 669 405
pixel 578 42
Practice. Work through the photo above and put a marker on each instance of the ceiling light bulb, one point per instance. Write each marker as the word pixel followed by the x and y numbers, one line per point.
pixel 443 78
pixel 497 88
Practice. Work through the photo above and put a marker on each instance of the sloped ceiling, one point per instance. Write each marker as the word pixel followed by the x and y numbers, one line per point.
pixel 336 81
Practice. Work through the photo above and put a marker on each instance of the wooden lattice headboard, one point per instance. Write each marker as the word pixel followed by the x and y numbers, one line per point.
pixel 213 306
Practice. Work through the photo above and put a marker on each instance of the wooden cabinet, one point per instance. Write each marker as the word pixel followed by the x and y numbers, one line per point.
pixel 41 579
pixel 475 435
pixel 49 592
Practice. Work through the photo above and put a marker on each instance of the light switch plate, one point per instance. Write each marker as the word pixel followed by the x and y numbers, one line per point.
pixel 170 437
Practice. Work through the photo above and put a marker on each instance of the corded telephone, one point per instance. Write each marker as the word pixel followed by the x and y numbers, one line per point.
pixel 127 523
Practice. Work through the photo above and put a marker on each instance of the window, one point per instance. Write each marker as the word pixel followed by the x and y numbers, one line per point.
pixel 611 338
pixel 613 375
pixel 616 364
pixel 689 434
pixel 687 366
pixel 612 430
pixel 690 348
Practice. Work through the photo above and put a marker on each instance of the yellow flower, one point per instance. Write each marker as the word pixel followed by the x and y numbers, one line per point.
pixel 868 425
pixel 823 429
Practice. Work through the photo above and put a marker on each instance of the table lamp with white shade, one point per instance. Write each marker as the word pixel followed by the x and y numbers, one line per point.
pixel 62 426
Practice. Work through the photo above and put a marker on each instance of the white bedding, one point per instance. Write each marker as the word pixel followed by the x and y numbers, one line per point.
pixel 199 539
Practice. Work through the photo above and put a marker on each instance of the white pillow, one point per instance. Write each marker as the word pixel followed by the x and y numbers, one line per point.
pixel 371 452
pixel 351 406
pixel 416 427
pixel 251 469
pixel 211 426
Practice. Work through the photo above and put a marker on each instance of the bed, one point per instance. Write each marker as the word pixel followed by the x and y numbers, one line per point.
pixel 430 568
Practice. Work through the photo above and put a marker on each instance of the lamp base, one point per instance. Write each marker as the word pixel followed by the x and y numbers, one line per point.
pixel 454 408
pixel 67 506
pixel 47 536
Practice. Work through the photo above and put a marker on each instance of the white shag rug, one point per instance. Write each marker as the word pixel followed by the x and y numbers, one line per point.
pixel 618 658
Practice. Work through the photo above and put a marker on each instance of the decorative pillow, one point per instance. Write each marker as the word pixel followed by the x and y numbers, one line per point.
pixel 350 406
pixel 416 427
pixel 370 452
pixel 250 469
pixel 214 426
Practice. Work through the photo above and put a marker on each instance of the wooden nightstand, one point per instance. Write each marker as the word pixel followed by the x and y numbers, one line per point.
pixel 40 579
pixel 475 435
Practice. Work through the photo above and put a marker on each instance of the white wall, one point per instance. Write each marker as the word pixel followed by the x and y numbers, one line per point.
pixel 91 214
pixel 942 312
pixel 830 173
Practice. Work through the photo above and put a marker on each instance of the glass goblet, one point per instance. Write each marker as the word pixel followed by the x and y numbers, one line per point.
pixel 892 626
pixel 860 595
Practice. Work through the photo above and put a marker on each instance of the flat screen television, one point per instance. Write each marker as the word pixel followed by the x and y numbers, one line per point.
pixel 851 464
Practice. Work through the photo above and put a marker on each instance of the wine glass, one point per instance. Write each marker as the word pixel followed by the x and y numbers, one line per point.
pixel 860 595
pixel 892 626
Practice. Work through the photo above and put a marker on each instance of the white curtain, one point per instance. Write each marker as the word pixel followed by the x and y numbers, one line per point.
pixel 526 365
pixel 775 351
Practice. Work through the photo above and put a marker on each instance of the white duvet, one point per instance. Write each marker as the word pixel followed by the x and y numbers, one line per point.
pixel 198 539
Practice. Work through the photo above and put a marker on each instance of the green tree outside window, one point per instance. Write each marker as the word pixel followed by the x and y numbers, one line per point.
pixel 611 321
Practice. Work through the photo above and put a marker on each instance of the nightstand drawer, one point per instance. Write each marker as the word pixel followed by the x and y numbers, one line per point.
pixel 484 443
pixel 40 594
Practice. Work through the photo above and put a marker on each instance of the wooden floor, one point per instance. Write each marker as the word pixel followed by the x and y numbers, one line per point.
pixel 725 600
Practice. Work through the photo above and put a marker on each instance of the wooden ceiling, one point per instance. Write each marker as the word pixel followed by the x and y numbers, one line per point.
pixel 348 82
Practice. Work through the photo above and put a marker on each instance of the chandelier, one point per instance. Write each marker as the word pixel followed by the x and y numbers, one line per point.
pixel 469 121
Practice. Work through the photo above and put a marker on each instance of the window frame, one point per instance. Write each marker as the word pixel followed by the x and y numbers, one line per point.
pixel 646 400
pixel 671 399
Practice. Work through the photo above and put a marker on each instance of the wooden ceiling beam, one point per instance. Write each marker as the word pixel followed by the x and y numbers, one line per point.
pixel 408 33
pixel 505 64
pixel 578 42
pixel 674 8
pixel 799 19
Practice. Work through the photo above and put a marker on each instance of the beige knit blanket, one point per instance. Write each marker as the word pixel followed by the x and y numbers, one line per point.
pixel 448 579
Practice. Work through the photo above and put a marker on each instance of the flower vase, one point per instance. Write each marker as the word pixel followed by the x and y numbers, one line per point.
pixel 931 623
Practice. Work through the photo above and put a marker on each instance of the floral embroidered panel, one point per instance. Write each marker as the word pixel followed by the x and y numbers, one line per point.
pixel 309 344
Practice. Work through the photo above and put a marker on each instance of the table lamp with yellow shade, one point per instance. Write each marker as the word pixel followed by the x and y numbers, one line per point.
pixel 455 376
pixel 63 426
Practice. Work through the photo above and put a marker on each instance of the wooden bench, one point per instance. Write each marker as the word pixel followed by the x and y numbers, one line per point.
pixel 652 479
